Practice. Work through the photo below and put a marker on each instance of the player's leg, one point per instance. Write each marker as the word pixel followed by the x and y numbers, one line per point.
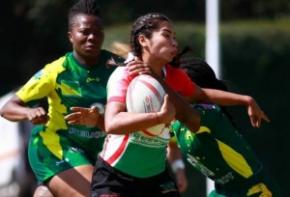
pixel 72 182
pixel 42 191
pixel 107 181
pixel 161 185
pixel 68 174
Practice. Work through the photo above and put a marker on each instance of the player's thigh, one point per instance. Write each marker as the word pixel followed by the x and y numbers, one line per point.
pixel 72 182
pixel 42 191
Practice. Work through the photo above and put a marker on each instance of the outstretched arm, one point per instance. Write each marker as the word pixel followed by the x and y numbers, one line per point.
pixel 255 113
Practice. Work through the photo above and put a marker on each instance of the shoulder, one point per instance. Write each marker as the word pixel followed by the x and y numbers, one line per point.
pixel 51 70
pixel 120 74
pixel 177 79
pixel 170 70
pixel 119 79
pixel 56 66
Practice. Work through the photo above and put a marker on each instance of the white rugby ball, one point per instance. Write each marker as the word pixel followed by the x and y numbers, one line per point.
pixel 145 94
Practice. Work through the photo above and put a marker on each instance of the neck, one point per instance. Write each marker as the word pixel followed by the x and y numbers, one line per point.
pixel 155 64
pixel 86 61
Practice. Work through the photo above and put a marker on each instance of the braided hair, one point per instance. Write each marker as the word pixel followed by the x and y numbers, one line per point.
pixel 88 7
pixel 145 25
pixel 201 73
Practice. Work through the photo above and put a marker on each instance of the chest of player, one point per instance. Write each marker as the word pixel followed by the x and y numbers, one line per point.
pixel 82 88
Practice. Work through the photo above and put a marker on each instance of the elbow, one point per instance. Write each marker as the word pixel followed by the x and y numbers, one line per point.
pixel 110 128
pixel 4 114
pixel 118 129
pixel 108 124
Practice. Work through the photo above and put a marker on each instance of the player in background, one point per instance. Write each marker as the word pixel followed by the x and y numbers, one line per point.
pixel 217 149
pixel 62 154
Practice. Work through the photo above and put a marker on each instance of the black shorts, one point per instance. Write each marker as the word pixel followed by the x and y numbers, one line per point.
pixel 109 182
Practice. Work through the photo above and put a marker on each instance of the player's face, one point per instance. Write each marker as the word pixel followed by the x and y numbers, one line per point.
pixel 162 45
pixel 86 35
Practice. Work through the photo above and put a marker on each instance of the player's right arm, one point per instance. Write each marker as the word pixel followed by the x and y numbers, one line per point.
pixel 119 121
pixel 184 112
pixel 39 86
pixel 15 110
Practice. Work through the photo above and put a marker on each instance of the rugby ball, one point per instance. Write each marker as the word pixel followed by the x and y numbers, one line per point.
pixel 144 95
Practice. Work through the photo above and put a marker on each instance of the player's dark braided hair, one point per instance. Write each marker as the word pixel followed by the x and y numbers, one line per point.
pixel 145 25
pixel 89 7
pixel 176 60
pixel 203 75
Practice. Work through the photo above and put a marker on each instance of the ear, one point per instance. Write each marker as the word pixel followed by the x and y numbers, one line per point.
pixel 69 35
pixel 142 40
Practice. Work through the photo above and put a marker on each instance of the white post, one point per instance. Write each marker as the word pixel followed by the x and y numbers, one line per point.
pixel 212 35
pixel 212 49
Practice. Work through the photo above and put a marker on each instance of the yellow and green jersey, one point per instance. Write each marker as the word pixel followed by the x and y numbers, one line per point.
pixel 66 83
pixel 219 151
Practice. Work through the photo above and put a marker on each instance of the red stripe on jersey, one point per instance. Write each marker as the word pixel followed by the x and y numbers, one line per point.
pixel 119 150
pixel 153 89
pixel 119 99
pixel 148 133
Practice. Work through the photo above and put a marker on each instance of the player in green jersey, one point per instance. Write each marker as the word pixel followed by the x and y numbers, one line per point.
pixel 217 149
pixel 61 153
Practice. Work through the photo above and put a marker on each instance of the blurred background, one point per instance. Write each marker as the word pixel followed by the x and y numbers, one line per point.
pixel 254 60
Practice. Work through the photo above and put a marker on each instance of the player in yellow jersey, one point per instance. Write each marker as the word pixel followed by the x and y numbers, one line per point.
pixel 62 154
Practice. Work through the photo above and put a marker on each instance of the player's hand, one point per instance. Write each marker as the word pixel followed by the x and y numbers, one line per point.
pixel 256 114
pixel 138 67
pixel 167 111
pixel 36 115
pixel 83 116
